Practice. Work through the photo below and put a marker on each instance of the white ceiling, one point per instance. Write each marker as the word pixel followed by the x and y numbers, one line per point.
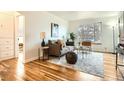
pixel 76 15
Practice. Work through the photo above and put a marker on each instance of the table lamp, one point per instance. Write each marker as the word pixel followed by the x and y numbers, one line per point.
pixel 42 36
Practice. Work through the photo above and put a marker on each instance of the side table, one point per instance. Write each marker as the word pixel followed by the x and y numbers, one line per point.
pixel 44 49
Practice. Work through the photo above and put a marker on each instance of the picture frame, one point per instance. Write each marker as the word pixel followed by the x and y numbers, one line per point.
pixel 54 30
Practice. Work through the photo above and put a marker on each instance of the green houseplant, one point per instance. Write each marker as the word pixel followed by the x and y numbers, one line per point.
pixel 72 36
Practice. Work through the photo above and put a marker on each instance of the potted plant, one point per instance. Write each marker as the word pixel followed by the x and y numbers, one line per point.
pixel 72 36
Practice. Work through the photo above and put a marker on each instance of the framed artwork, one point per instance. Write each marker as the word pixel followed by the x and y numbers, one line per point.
pixel 54 30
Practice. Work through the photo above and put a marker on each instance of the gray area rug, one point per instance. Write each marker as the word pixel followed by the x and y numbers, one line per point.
pixel 91 63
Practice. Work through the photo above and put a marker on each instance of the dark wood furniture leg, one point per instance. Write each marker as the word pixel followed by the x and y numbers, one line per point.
pixel 116 59
pixel 39 53
pixel 43 54
pixel 48 53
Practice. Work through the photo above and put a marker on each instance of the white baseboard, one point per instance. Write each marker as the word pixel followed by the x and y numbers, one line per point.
pixel 7 58
pixel 103 52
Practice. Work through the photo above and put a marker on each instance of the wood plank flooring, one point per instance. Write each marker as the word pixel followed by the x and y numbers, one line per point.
pixel 39 70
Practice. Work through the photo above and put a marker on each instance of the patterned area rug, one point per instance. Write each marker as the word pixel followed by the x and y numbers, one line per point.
pixel 91 63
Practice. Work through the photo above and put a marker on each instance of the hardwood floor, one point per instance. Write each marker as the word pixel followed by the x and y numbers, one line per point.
pixel 110 72
pixel 39 70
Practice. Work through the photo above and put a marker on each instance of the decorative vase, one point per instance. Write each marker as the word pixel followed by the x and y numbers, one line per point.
pixel 71 57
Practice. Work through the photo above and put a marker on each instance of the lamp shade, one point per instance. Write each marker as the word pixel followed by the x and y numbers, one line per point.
pixel 42 35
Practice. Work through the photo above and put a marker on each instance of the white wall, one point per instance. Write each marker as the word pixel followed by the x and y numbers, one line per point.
pixel 107 33
pixel 36 22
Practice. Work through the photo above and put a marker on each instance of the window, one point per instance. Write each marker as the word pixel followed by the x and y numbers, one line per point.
pixel 90 32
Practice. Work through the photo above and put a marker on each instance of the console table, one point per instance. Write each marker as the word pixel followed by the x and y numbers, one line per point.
pixel 44 49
